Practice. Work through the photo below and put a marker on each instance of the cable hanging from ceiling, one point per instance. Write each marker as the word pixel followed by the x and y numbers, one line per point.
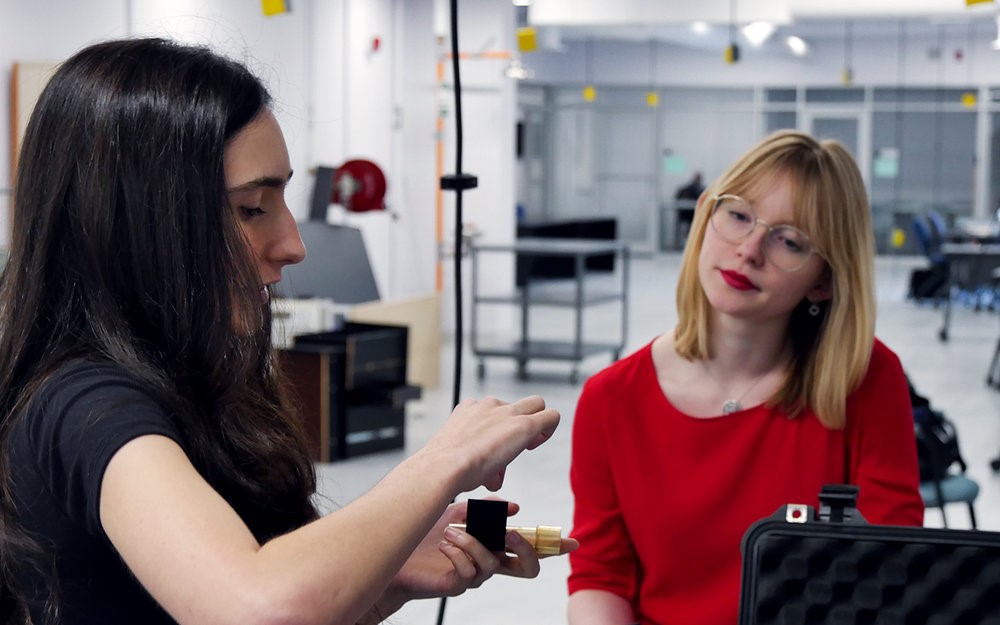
pixel 652 97
pixel 847 73
pixel 589 90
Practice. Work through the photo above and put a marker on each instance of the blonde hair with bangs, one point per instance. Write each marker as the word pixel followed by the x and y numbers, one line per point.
pixel 830 352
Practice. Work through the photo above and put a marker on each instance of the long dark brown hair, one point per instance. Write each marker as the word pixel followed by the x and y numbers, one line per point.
pixel 124 249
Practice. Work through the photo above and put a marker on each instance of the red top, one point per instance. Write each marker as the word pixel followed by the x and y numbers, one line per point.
pixel 663 499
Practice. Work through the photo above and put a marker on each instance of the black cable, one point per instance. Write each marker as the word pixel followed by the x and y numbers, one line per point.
pixel 457 182
pixel 457 87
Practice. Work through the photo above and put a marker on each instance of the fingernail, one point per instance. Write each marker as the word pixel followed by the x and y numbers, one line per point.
pixel 451 533
pixel 514 538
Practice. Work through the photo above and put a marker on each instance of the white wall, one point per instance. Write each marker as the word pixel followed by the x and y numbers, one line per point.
pixel 45 30
pixel 336 96
pixel 489 113
pixel 52 30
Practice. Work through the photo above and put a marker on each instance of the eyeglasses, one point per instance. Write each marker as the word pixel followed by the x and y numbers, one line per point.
pixel 787 247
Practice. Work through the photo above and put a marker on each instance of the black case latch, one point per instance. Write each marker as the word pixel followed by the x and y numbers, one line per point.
pixel 838 503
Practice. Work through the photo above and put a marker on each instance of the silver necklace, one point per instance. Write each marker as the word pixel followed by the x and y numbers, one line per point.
pixel 732 405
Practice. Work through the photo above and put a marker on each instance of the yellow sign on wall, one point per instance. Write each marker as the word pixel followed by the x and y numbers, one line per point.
pixel 275 7
pixel 527 39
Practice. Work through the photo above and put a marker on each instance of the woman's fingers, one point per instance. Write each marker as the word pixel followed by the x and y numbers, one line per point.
pixel 527 405
pixel 525 563
pixel 566 545
pixel 494 482
pixel 473 563
pixel 487 434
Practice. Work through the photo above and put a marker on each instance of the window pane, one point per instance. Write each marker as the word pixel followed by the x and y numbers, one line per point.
pixel 779 95
pixel 780 120
pixel 920 96
pixel 923 161
pixel 826 96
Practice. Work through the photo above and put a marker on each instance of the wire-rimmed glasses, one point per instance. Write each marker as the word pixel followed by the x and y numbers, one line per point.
pixel 787 247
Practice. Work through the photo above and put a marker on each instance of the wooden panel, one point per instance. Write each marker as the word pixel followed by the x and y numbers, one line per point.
pixel 308 375
pixel 26 84
pixel 422 317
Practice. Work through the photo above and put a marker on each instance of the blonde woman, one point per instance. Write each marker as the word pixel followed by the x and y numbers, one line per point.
pixel 771 385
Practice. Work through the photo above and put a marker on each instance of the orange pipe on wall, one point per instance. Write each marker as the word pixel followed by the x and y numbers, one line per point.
pixel 439 200
pixel 439 157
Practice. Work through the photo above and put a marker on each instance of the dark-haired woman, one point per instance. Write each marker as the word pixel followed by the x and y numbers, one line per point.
pixel 151 470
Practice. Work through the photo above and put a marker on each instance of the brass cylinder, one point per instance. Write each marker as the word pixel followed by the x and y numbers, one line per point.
pixel 546 539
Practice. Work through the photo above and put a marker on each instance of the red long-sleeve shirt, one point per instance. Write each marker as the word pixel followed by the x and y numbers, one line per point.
pixel 663 499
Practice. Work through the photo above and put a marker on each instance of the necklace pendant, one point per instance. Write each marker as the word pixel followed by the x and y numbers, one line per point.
pixel 730 406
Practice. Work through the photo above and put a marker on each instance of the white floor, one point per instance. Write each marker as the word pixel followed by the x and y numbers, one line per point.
pixel 951 374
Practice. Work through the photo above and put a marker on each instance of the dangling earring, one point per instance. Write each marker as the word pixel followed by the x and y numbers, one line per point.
pixel 814 310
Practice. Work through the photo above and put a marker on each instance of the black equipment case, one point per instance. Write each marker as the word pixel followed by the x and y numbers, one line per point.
pixel 830 567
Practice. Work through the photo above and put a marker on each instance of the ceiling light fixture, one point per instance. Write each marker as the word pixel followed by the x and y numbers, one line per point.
pixel 589 90
pixel 847 73
pixel 995 44
pixel 700 27
pixel 758 32
pixel 732 52
pixel 797 45
pixel 652 97
pixel 518 70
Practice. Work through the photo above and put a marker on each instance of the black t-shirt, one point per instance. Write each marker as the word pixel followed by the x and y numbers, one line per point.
pixel 81 416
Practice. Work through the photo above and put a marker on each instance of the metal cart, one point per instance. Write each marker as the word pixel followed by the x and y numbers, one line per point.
pixel 575 349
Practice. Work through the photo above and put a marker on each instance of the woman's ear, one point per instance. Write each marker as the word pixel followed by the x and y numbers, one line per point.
pixel 822 290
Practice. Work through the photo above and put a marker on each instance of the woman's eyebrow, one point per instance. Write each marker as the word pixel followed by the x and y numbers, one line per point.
pixel 275 182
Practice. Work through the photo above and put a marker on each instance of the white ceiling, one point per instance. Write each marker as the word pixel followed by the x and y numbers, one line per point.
pixel 670 20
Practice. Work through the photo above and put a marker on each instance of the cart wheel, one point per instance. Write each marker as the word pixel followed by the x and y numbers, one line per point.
pixel 943 334
pixel 522 370
pixel 574 377
pixel 995 465
pixel 481 370
pixel 616 356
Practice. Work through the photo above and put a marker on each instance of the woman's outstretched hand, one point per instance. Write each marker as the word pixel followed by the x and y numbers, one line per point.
pixel 449 561
pixel 483 436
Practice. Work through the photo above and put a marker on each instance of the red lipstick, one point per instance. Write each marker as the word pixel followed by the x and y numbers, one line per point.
pixel 737 280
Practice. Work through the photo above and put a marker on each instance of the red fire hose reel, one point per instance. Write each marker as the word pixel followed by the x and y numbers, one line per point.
pixel 359 186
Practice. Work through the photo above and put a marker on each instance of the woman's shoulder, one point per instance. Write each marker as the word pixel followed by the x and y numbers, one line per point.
pixel 883 359
pixel 82 388
pixel 626 370
pixel 81 376
pixel 884 367
pixel 92 405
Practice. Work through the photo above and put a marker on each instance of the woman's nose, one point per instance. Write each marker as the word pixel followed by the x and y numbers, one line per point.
pixel 752 247
pixel 287 247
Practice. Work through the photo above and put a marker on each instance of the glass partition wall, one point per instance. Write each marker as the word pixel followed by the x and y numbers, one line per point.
pixel 919 150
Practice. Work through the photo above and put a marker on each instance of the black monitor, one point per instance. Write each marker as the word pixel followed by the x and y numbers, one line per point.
pixel 336 266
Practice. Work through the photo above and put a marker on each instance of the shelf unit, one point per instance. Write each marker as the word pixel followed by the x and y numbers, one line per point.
pixel 574 349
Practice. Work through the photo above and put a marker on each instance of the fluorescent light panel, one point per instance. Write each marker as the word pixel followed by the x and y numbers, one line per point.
pixel 758 32
pixel 797 45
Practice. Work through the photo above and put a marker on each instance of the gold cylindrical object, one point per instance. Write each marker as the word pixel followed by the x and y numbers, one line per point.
pixel 546 539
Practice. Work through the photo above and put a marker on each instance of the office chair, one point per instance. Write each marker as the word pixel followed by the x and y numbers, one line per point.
pixel 927 240
pixel 929 283
pixel 939 226
pixel 952 487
